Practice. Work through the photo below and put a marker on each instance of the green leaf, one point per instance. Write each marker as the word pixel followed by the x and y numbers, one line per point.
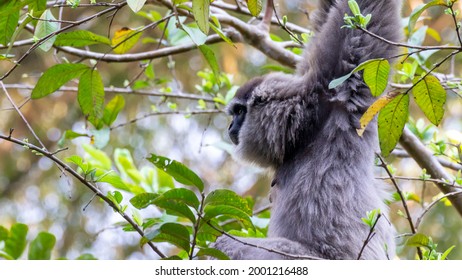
pixel 172 233
pixel 40 248
pixel 55 77
pixel 201 11
pixel 3 233
pixel 80 38
pixel 212 252
pixel 391 121
pixel 197 36
pixel 78 161
pixel 91 95
pixel 376 70
pixel 125 39
pixel 46 26
pixel 113 109
pixel 419 10
pixel 212 61
pixel 178 171
pixel 222 34
pixel 186 196
pixel 136 5
pixel 87 257
pixel 255 7
pixel 69 135
pixel 430 95
pixel 228 197
pixel 212 211
pixel 16 242
pixel 37 5
pixel 98 157
pixel 143 200
pixel 8 23
pixel 175 207
pixel 376 76
pixel 444 256
pixel 418 240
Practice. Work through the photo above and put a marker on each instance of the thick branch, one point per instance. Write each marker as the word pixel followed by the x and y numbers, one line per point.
pixel 145 55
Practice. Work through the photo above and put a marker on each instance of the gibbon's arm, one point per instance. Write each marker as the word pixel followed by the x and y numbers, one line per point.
pixel 336 51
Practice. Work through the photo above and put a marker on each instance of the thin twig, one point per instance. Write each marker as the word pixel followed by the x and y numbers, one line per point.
pixel 200 112
pixel 403 200
pixel 21 115
pixel 430 206
pixel 369 236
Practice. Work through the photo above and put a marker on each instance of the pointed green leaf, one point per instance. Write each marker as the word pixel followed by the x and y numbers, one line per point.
pixel 212 61
pixel 16 242
pixel 186 196
pixel 143 200
pixel 420 9
pixel 80 38
pixel 376 76
pixel 212 252
pixel 172 233
pixel 212 211
pixel 228 197
pixel 55 77
pixel 255 7
pixel 222 34
pixel 178 171
pixel 336 82
pixel 444 256
pixel 430 95
pixel 91 95
pixel 46 26
pixel 8 23
pixel 201 11
pixel 418 240
pixel 136 5
pixel 97 158
pixel 175 207
pixel 40 248
pixel 391 121
pixel 113 109
pixel 373 65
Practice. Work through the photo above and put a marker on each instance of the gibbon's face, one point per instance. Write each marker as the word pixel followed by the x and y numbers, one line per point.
pixel 238 111
pixel 238 108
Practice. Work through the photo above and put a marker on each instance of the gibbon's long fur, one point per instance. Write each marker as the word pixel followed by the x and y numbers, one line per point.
pixel 324 182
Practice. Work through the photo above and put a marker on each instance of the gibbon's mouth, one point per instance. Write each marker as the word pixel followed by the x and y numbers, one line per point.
pixel 234 138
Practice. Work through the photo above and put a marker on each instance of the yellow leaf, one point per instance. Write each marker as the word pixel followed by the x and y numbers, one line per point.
pixel 373 110
pixel 124 39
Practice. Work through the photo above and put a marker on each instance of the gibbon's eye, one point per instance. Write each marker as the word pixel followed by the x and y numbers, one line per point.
pixel 239 110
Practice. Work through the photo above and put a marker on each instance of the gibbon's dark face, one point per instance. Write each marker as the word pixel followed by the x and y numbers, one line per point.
pixel 238 108
pixel 238 111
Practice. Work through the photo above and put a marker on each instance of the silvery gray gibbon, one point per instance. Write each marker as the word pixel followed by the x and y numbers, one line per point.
pixel 306 133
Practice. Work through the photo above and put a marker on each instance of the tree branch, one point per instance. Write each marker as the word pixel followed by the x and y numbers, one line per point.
pixel 94 189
